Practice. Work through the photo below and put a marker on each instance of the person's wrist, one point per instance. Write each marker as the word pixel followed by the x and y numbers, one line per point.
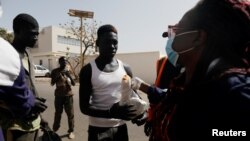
pixel 144 87
pixel 136 83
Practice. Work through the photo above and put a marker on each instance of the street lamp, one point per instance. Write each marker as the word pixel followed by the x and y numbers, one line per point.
pixel 81 15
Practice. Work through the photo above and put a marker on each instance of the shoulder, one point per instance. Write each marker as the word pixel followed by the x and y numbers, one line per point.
pixel 10 64
pixel 235 81
pixel 235 86
pixel 86 70
pixel 127 68
pixel 55 70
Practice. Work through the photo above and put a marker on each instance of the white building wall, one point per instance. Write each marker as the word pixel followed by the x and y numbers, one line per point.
pixel 60 47
pixel 48 41
pixel 142 64
pixel 45 40
pixel 44 43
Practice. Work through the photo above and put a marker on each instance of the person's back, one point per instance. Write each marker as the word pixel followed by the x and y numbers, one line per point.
pixel 218 107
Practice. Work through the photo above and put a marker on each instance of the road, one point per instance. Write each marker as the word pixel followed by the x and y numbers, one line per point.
pixel 81 121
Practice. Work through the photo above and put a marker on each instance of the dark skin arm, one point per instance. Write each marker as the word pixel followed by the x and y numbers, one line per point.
pixel 54 77
pixel 144 87
pixel 85 92
pixel 71 79
pixel 128 70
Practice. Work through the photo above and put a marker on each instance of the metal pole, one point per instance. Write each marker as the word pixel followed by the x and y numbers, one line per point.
pixel 81 56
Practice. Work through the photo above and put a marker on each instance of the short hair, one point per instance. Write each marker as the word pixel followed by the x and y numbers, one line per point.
pixel 106 28
pixel 24 20
pixel 62 59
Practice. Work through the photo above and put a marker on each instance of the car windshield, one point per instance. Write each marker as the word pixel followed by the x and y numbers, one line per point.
pixel 40 68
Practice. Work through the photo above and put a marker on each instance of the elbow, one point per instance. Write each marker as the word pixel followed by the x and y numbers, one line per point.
pixel 84 110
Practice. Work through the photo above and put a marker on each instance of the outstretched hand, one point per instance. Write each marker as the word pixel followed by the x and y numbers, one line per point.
pixel 136 83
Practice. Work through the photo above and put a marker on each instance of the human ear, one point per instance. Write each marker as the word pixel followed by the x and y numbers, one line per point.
pixel 201 38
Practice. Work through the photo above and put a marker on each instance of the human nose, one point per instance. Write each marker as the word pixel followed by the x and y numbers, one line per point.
pixel 36 37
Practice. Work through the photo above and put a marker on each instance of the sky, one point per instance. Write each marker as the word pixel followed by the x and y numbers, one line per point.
pixel 140 23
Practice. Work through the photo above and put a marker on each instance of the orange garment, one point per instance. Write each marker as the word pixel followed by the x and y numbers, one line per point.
pixel 157 114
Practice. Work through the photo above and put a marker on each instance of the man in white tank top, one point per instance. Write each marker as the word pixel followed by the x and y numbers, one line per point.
pixel 100 91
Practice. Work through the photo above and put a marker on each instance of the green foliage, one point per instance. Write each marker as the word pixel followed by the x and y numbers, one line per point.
pixel 7 36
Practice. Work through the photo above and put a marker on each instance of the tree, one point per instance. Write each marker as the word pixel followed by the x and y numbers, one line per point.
pixel 7 36
pixel 89 35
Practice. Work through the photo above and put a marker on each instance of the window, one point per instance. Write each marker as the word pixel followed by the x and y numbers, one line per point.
pixel 41 62
pixel 68 40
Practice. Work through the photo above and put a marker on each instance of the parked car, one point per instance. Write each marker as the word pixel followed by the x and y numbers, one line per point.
pixel 41 71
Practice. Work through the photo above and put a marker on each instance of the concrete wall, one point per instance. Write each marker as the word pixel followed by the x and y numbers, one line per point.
pixel 143 64
pixel 59 47
pixel 48 41
pixel 49 62
pixel 44 43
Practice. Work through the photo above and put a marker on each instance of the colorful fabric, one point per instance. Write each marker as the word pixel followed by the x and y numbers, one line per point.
pixel 16 100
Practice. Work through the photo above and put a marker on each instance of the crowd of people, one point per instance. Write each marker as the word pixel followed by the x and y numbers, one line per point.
pixel 202 89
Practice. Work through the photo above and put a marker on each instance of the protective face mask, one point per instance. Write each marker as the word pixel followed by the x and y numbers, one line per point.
pixel 172 55
pixel 189 49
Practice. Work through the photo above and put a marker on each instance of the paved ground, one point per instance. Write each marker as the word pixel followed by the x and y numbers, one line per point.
pixel 81 121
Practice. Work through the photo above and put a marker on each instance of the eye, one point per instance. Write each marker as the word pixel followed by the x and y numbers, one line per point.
pixel 115 42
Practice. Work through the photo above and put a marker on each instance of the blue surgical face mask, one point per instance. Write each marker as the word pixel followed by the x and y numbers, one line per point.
pixel 172 55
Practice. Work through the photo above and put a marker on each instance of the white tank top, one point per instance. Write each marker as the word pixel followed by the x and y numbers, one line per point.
pixel 106 91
